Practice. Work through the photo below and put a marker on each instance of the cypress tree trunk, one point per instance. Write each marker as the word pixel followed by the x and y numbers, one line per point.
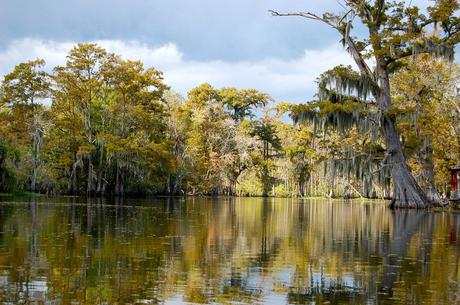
pixel 177 186
pixel 265 173
pixel 72 187
pixel 169 186
pixel 101 184
pixel 301 184
pixel 429 184
pixel 119 189
pixel 33 178
pixel 406 192
pixel 89 187
pixel 36 144
pixel 2 169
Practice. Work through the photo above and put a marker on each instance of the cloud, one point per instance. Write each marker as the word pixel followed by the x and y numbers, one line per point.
pixel 203 29
pixel 290 80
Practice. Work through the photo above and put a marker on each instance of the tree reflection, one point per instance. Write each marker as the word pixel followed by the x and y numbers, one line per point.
pixel 405 225
pixel 231 250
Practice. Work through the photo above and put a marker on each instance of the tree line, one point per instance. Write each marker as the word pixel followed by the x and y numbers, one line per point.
pixel 101 125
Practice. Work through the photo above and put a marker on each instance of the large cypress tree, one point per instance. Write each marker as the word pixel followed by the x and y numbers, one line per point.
pixel 394 31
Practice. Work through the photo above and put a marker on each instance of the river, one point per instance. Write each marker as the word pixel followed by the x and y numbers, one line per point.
pixel 225 251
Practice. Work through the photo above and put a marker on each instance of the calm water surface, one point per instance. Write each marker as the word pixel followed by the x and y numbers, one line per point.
pixel 225 251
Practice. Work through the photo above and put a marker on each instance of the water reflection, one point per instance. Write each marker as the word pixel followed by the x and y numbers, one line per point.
pixel 225 251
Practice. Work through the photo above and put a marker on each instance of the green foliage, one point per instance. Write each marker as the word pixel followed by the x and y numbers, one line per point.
pixel 9 158
pixel 114 127
pixel 428 116
pixel 395 31
pixel 242 102
pixel 27 85
pixel 23 92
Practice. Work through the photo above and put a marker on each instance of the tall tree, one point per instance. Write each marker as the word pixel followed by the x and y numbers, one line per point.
pixel 82 81
pixel 23 91
pixel 178 125
pixel 135 128
pixel 109 123
pixel 265 130
pixel 210 142
pixel 395 32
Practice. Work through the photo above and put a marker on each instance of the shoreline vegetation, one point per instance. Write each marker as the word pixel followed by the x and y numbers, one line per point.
pixel 34 194
pixel 102 125
pixel 107 126
pixel 21 194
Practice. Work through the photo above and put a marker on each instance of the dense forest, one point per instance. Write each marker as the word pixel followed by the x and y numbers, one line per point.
pixel 102 125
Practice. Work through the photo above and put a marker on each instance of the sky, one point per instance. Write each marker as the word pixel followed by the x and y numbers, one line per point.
pixel 225 43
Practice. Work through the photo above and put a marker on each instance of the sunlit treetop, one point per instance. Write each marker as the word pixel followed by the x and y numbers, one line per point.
pixel 27 84
pixel 135 83
pixel 243 102
pixel 201 95
pixel 240 103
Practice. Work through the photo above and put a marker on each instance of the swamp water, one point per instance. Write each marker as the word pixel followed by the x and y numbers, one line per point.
pixel 225 251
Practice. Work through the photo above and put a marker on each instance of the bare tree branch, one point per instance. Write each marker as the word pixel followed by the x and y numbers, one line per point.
pixel 307 15
pixel 358 58
pixel 361 7
pixel 344 16
pixel 351 45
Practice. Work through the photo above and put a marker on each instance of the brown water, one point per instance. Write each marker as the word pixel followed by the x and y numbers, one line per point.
pixel 225 251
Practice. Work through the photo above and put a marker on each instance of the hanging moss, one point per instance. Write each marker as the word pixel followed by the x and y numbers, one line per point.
pixel 343 106
pixel 343 81
pixel 432 46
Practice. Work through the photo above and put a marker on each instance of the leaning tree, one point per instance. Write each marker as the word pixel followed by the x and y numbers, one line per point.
pixel 394 31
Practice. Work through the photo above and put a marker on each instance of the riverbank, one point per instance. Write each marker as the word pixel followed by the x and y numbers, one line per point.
pixel 21 194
